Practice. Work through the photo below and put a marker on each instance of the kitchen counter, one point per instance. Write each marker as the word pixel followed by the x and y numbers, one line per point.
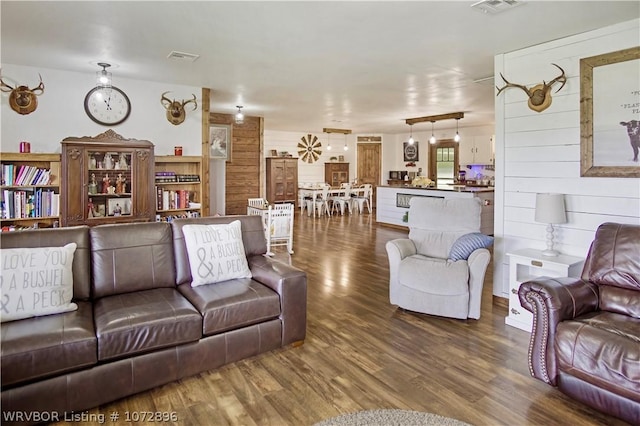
pixel 455 188
pixel 392 202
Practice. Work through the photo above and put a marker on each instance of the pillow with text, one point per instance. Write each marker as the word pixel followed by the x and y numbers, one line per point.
pixel 216 253
pixel 36 281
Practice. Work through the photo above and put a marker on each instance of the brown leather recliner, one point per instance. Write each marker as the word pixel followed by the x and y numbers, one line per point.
pixel 586 331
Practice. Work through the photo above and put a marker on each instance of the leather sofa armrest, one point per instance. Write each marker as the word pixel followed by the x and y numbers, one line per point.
pixel 552 300
pixel 291 284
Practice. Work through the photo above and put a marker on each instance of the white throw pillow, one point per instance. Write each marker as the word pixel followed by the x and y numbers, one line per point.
pixel 216 253
pixel 36 282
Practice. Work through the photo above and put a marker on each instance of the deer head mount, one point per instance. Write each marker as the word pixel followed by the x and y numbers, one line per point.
pixel 175 109
pixel 22 99
pixel 540 94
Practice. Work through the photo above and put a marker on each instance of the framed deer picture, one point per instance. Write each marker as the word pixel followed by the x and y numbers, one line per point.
pixel 610 114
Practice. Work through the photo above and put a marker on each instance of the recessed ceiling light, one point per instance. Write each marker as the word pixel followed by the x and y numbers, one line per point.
pixel 183 56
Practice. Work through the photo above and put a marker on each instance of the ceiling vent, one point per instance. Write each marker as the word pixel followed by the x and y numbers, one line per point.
pixel 183 56
pixel 493 7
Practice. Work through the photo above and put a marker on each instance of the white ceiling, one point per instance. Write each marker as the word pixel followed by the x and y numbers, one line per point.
pixel 364 66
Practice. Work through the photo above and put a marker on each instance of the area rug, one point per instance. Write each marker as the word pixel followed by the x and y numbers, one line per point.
pixel 390 418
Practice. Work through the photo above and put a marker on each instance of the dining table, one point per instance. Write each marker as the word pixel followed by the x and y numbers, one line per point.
pixel 314 191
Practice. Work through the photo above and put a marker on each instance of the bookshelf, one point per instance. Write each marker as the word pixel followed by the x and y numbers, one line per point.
pixel 29 191
pixel 178 185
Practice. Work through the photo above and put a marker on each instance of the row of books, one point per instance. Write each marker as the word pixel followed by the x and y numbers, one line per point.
pixel 21 204
pixel 172 200
pixel 172 177
pixel 17 175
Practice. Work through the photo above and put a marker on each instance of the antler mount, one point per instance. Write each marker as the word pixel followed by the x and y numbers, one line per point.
pixel 22 99
pixel 540 94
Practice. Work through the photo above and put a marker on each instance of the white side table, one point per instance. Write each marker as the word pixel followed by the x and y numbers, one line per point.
pixel 527 264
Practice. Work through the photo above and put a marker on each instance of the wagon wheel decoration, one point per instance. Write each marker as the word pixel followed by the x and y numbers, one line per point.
pixel 309 149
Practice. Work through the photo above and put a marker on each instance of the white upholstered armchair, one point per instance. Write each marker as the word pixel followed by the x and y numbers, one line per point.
pixel 439 269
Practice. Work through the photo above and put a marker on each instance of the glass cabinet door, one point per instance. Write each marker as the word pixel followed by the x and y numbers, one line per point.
pixel 109 184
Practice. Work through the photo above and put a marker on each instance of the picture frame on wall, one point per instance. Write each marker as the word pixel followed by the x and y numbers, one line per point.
pixel 220 141
pixel 410 151
pixel 610 114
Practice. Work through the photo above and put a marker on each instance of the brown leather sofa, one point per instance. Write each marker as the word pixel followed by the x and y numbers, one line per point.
pixel 586 331
pixel 139 323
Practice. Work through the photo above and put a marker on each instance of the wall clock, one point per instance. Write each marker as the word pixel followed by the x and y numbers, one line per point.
pixel 309 148
pixel 107 106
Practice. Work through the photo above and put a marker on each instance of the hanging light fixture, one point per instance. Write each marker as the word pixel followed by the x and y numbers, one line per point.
pixel 103 78
pixel 345 132
pixel 239 115
pixel 432 139
pixel 433 118
pixel 411 141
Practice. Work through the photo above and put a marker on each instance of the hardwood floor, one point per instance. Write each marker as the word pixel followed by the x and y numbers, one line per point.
pixel 362 353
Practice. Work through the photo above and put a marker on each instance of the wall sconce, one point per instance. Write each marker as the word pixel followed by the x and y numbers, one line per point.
pixel 550 209
pixel 411 140
pixel 456 138
pixel 346 148
pixel 239 115
pixel 103 78
pixel 432 139
pixel 328 141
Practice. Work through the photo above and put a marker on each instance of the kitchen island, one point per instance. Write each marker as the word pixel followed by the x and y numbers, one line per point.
pixel 392 202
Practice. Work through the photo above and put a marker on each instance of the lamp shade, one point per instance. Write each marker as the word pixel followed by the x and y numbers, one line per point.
pixel 550 208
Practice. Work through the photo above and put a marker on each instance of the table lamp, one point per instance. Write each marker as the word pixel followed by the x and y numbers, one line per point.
pixel 550 210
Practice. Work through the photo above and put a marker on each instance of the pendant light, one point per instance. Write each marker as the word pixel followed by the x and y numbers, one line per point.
pixel 239 115
pixel 456 138
pixel 432 139
pixel 346 148
pixel 411 141
pixel 329 141
pixel 103 78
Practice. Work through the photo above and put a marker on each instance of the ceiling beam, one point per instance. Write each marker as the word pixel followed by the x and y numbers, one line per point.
pixel 343 131
pixel 450 116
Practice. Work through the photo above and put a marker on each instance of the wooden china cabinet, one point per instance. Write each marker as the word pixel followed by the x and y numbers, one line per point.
pixel 107 179
pixel 336 174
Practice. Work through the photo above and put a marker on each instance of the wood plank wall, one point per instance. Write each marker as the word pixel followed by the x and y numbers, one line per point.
pixel 206 172
pixel 540 152
pixel 244 173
